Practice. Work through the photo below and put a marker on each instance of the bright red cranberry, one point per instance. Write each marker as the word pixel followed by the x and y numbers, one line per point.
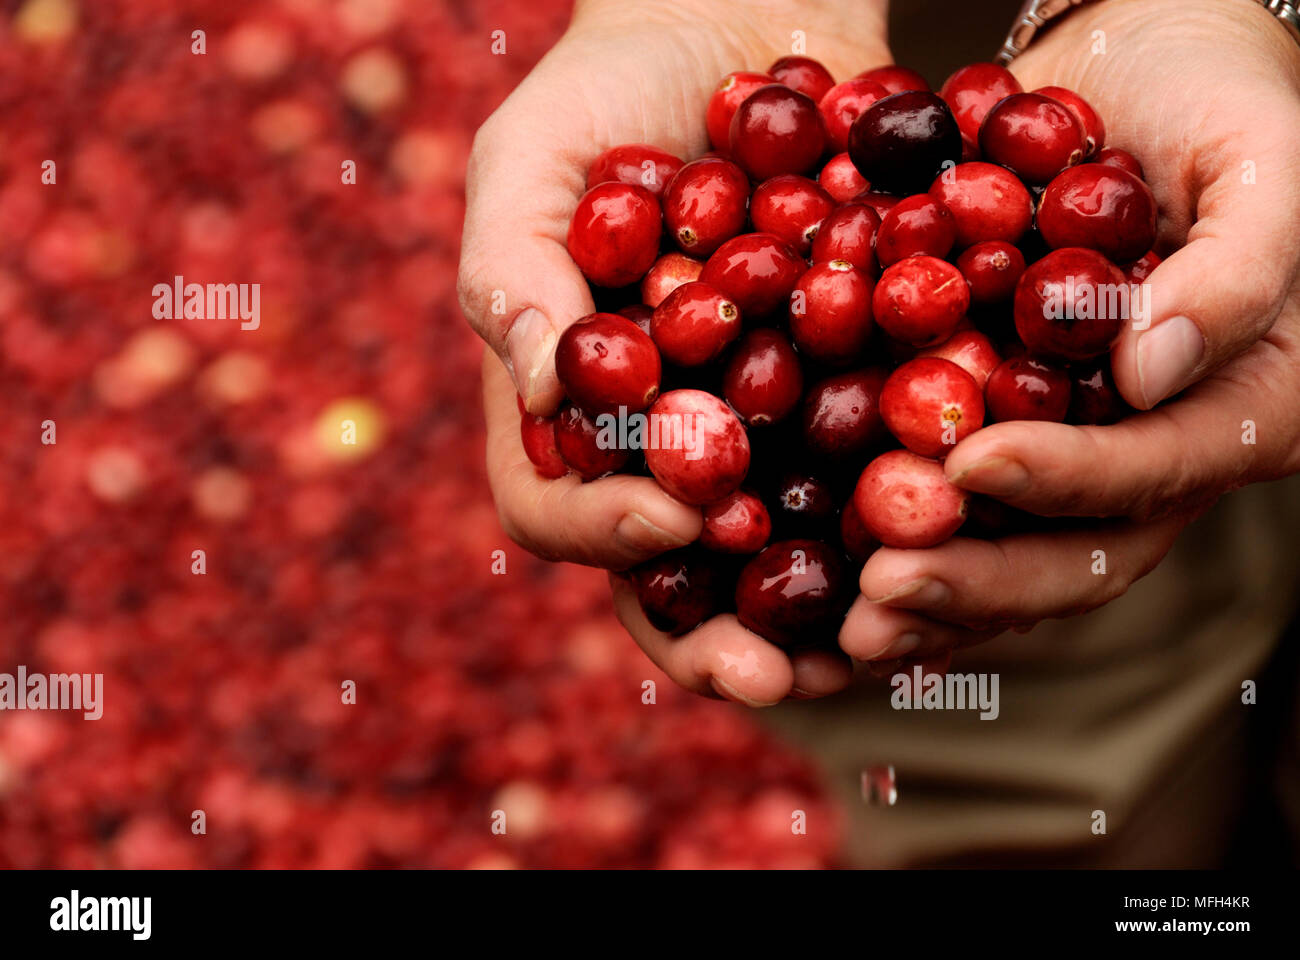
pixel 931 404
pixel 841 415
pixel 905 501
pixel 972 91
pixel 895 79
pixel 763 380
pixel 882 203
pixel 843 104
pixel 1034 136
pixel 987 202
pixel 694 324
pixel 1100 207
pixel 793 593
pixel 830 312
pixel 639 314
pixel 697 449
pixel 585 447
pixel 970 350
pixel 921 300
pixel 705 205
pixel 803 506
pixel 1140 269
pixel 614 234
pixel 1094 398
pixel 849 233
pixel 728 96
pixel 678 590
pixel 857 541
pixel 991 268
pixel 917 224
pixel 1094 130
pixel 840 178
pixel 538 435
pixel 803 74
pixel 1022 388
pixel 668 273
pixel 901 143
pixel 791 208
pixel 1069 304
pixel 738 523
pixel 635 163
pixel 756 271
pixel 1114 157
pixel 777 130
pixel 604 362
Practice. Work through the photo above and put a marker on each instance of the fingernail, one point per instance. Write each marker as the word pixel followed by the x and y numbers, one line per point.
pixel 1167 356
pixel 995 476
pixel 731 693
pixel 921 592
pixel 530 344
pixel 640 534
pixel 901 647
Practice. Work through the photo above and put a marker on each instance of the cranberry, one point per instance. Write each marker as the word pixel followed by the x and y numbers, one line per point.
pixel 803 74
pixel 1025 389
pixel 756 271
pixel 992 269
pixel 639 314
pixel 987 202
pixel 921 300
pixel 882 203
pixel 790 208
pixel 704 205
pixel 738 523
pixel 697 449
pixel 668 273
pixel 728 96
pixel 1094 130
pixel 895 79
pixel 972 91
pixel 678 590
pixel 635 163
pixel 1141 268
pixel 763 380
pixel 841 415
pixel 583 445
pixel 803 506
pixel 917 224
pixel 538 435
pixel 843 104
pixel 1067 304
pixel 840 178
pixel 1094 398
pixel 1101 207
pixel 694 325
pixel 614 234
pixel 902 142
pixel 931 404
pixel 1121 158
pixel 794 592
pixel 905 501
pixel 604 362
pixel 830 312
pixel 970 350
pixel 858 542
pixel 1035 136
pixel 849 233
pixel 777 130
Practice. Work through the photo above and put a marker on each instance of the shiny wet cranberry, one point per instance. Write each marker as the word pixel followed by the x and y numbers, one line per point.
pixel 794 593
pixel 930 405
pixel 917 224
pixel 584 446
pixel 830 312
pixel 538 435
pixel 987 202
pixel 882 203
pixel 1121 158
pixel 696 447
pixel 728 96
pixel 639 314
pixel 1068 304
pixel 840 178
pixel 905 501
pixel 678 590
pixel 804 74
pixel 991 268
pixel 694 324
pixel 856 539
pixel 895 79
pixel 902 142
pixel 763 380
pixel 705 205
pixel 970 350
pixel 1100 207
pixel 1034 136
pixel 756 271
pixel 635 163
pixel 614 234
pixel 1022 388
pixel 777 130
pixel 843 104
pixel 849 233
pixel 841 414
pixel 604 362
pixel 738 523
pixel 802 506
pixel 1094 398
pixel 971 92
pixel 791 208
pixel 668 273
pixel 1094 129
pixel 921 300
pixel 1140 269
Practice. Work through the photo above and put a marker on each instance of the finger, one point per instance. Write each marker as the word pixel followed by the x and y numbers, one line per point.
pixel 819 673
pixel 878 633
pixel 1018 580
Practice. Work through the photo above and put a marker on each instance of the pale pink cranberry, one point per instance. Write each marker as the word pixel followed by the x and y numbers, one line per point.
pixel 905 501
pixel 696 447
pixel 970 350
pixel 931 404
pixel 668 273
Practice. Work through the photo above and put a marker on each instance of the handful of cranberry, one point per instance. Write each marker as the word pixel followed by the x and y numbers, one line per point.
pixel 797 327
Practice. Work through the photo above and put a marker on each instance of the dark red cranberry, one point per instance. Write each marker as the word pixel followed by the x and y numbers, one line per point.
pixel 830 312
pixel 756 271
pixel 857 541
pixel 694 325
pixel 1070 305
pixel 1140 269
pixel 705 205
pixel 921 300
pixel 841 415
pixel 639 314
pixel 678 590
pixel 604 362
pixel 668 273
pixel 585 447
pixel 738 523
pixel 843 104
pixel 849 233
pixel 895 79
pixel 635 163
pixel 1100 207
pixel 1094 398
pixel 1034 136
pixel 991 268
pixel 803 74
pixel 987 202
pixel 538 435
pixel 902 142
pixel 930 405
pixel 763 380
pixel 917 224
pixel 791 208
pixel 1121 158
pixel 840 178
pixel 972 91
pixel 882 203
pixel 777 130
pixel 803 506
pixel 696 448
pixel 794 593
pixel 729 95
pixel 614 234
pixel 1022 388
pixel 970 350
pixel 1094 130
pixel 905 501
